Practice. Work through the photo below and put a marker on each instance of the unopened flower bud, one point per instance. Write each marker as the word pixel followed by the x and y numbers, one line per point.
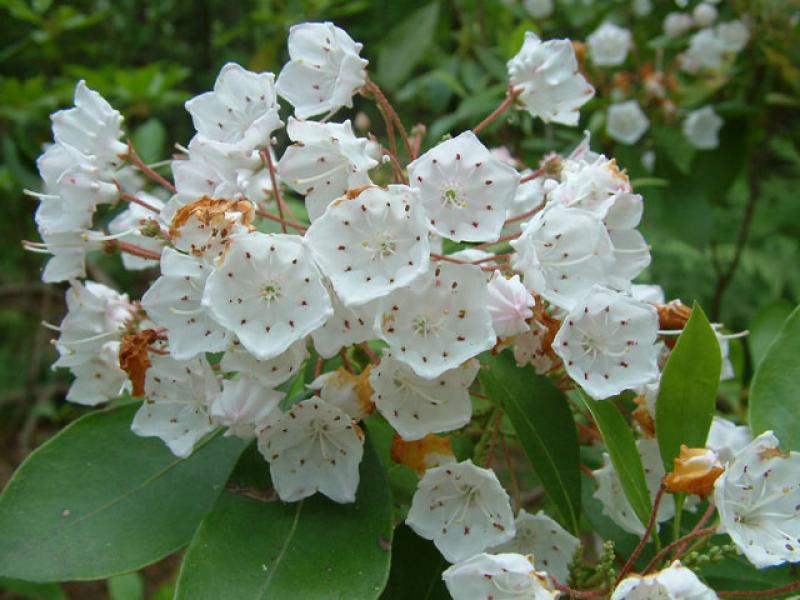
pixel 361 122
pixel 420 455
pixel 695 471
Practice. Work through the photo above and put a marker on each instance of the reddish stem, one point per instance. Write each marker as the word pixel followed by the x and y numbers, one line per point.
pixel 374 359
pixel 530 176
pixel 132 249
pixel 136 161
pixel 505 238
pixel 576 593
pixel 651 522
pixel 392 113
pixel 136 200
pixel 703 520
pixel 276 189
pixel 525 215
pixel 667 549
pixel 501 108
pixel 770 593
pixel 293 224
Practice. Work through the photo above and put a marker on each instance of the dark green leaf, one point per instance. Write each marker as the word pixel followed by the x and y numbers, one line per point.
pixel 129 586
pixel 252 546
pixel 32 591
pixel 149 140
pixel 545 426
pixel 406 44
pixel 774 401
pixel 688 389
pixel 96 500
pixel 417 568
pixel 765 328
pixel 621 447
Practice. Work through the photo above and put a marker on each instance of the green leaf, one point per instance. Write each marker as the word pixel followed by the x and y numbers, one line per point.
pixel 405 45
pixel 670 142
pixel 149 140
pixel 417 568
pixel 688 389
pixel 97 500
pixel 545 426
pixel 129 586
pixel 774 401
pixel 765 328
pixel 621 447
pixel 32 591
pixel 252 546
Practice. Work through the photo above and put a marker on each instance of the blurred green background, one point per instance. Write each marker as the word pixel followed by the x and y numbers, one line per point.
pixel 723 224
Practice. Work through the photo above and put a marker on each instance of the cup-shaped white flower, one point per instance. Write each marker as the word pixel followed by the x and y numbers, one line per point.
pixel 758 500
pixel 99 379
pixel 268 291
pixel 552 546
pixel 701 127
pixel 592 185
pixel 325 161
pixel 269 373
pixel 415 406
pixel 313 447
pixel 324 72
pixel 732 35
pixel 174 302
pixel 175 409
pixel 132 220
pixel 345 391
pixel 562 253
pixel 676 582
pixel 704 14
pixel 677 23
pixel 349 325
pixel 509 304
pixel 530 348
pixel 439 321
pixel 371 244
pixel 68 251
pixel 612 496
pixel 609 45
pixel 244 406
pixel 462 508
pixel 465 189
pixel 608 343
pixel 626 122
pixel 727 439
pixel 547 75
pixel 504 576
pixel 706 51
pixel 241 110
pixel 92 127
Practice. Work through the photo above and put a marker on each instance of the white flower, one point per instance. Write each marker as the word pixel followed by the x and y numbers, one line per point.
pixel 704 14
pixel 313 447
pixel 68 250
pixel 609 44
pixel 758 499
pixel 325 161
pixel 733 36
pixel 371 244
pixel 99 379
pixel 175 409
pixel 705 52
pixel 268 292
pixel 631 252
pixel 219 171
pixel 465 189
pixel 547 75
pixel 676 582
pixel 174 302
pixel 701 127
pixel 345 391
pixel 244 406
pixel 242 110
pixel 499 577
pixel 324 72
pixel 642 8
pixel 650 293
pixel 529 348
pixel 608 343
pixel 562 252
pixel 439 321
pixel 269 373
pixel 415 406
pixel 136 217
pixel 539 9
pixel 462 508
pixel 509 304
pixel 347 326
pixel 96 315
pixel 677 23
pixel 611 495
pixel 727 439
pixel 529 195
pixel 92 127
pixel 552 546
pixel 625 122
pixel 593 185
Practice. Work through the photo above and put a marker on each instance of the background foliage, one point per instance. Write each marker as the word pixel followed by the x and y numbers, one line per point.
pixel 723 224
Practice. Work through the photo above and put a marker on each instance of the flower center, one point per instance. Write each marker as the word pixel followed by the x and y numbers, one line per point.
pixel 424 325
pixel 453 196
pixel 271 290
pixel 383 246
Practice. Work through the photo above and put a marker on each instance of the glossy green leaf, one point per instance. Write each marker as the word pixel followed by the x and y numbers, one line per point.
pixel 688 389
pixel 252 546
pixel 96 500
pixel 621 447
pixel 417 568
pixel 31 591
pixel 129 586
pixel 774 399
pixel 406 44
pixel 765 327
pixel 545 426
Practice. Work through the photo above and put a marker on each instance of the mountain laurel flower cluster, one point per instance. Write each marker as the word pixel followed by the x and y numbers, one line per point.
pixel 304 298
